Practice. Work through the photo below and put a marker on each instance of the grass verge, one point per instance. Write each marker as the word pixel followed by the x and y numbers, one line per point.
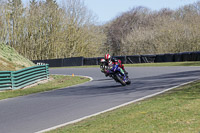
pixel 189 63
pixel 176 111
pixel 59 81
pixel 10 60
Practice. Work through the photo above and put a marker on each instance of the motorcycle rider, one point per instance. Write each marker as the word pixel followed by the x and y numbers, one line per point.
pixel 115 62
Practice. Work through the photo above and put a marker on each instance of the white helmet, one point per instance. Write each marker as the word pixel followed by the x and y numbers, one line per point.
pixel 107 57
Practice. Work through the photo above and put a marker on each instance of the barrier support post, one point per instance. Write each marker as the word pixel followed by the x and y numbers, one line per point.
pixel 46 67
pixel 12 80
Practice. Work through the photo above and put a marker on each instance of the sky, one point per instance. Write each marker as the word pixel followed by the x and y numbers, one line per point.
pixel 107 10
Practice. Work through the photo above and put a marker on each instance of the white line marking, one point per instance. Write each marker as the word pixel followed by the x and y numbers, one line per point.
pixel 122 105
pixel 75 75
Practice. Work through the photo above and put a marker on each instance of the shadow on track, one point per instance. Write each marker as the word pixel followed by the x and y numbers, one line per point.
pixel 110 87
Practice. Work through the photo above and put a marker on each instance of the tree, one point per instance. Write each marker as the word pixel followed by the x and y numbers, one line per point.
pixel 15 22
pixel 123 25
pixel 140 31
pixel 81 34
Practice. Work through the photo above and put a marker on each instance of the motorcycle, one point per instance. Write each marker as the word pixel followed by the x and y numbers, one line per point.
pixel 116 75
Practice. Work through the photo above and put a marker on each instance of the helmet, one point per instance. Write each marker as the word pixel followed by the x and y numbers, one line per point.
pixel 107 57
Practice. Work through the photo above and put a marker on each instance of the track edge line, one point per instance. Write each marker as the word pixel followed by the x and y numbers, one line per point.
pixel 116 107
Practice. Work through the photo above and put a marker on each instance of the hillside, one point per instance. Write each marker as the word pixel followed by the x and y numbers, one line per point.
pixel 10 60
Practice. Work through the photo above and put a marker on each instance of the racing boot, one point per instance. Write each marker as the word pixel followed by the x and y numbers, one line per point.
pixel 124 74
pixel 125 78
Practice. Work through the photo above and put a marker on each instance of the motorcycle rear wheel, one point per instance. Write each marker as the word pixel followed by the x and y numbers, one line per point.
pixel 128 82
pixel 120 80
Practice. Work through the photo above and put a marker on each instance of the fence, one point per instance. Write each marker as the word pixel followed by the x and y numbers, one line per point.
pixel 24 77
pixel 129 59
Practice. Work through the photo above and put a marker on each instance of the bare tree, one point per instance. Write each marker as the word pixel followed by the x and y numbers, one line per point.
pixel 140 31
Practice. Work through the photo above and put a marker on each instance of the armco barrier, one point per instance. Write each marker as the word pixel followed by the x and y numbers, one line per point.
pixel 185 56
pixel 133 59
pixel 51 62
pixel 164 58
pixel 73 61
pixel 18 79
pixel 159 58
pixel 169 58
pixel 129 59
pixel 148 58
pixel 177 57
pixel 90 61
pixel 194 56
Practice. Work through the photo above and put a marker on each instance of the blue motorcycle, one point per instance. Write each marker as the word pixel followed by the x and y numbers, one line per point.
pixel 115 72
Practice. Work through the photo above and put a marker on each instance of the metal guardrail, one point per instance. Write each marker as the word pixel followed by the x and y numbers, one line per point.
pixel 12 80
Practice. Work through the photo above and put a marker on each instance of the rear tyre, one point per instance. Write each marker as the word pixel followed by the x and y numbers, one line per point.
pixel 128 82
pixel 120 79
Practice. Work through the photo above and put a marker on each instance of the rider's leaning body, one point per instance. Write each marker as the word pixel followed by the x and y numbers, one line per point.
pixel 114 64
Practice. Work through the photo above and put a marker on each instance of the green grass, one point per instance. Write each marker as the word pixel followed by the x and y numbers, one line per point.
pixel 177 111
pixel 189 63
pixel 10 60
pixel 59 81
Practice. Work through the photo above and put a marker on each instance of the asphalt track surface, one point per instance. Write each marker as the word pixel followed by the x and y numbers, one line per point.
pixel 41 111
